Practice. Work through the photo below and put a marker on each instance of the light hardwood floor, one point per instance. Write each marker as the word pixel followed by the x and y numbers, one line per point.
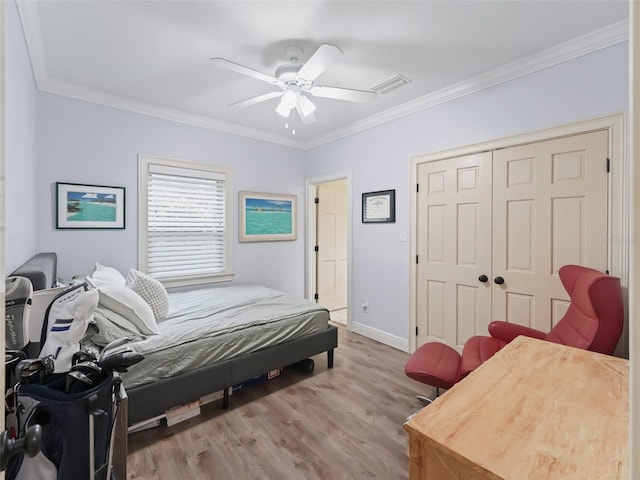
pixel 340 423
pixel 339 316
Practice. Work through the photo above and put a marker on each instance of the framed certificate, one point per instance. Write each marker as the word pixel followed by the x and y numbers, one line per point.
pixel 379 207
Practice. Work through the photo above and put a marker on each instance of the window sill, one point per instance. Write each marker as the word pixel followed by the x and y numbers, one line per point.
pixel 199 280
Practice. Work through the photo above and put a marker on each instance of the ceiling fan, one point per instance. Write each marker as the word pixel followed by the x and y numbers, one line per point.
pixel 295 79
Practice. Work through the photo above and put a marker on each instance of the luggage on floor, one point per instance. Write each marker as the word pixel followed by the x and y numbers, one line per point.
pixel 77 421
pixel 74 396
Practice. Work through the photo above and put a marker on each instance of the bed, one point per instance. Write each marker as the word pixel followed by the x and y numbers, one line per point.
pixel 213 338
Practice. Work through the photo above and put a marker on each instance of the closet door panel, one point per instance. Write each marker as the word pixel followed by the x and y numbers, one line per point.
pixel 454 248
pixel 549 209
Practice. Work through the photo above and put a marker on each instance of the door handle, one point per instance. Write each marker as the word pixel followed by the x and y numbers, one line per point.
pixel 498 280
pixel 483 278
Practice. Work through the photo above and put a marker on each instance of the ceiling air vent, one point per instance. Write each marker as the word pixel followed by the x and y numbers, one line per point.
pixel 391 84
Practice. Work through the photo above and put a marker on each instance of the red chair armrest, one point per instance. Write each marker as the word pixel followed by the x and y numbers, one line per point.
pixel 508 331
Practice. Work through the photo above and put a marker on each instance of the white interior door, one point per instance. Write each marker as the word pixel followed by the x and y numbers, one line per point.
pixel 332 236
pixel 514 215
pixel 549 209
pixel 454 248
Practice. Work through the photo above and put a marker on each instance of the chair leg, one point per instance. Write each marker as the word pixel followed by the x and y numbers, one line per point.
pixel 426 400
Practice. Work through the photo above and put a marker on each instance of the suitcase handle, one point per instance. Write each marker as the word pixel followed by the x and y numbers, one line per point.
pixel 30 444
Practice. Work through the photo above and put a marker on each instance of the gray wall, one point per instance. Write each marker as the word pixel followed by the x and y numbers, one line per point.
pixel 590 86
pixel 81 142
pixel 21 144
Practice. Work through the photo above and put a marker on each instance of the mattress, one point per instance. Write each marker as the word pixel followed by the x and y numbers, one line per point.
pixel 210 325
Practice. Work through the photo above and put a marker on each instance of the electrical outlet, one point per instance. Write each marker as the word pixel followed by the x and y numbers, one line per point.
pixel 365 306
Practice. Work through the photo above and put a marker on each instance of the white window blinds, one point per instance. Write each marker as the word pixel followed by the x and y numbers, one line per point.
pixel 187 228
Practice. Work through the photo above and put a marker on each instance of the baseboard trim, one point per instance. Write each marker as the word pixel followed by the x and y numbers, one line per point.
pixel 380 336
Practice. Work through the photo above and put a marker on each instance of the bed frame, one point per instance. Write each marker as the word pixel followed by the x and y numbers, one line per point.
pixel 151 400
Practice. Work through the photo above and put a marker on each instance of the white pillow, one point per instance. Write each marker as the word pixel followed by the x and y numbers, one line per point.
pixel 129 304
pixel 151 290
pixel 104 275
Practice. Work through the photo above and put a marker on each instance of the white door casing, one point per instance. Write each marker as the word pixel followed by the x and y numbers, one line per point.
pixel 2 200
pixel 312 184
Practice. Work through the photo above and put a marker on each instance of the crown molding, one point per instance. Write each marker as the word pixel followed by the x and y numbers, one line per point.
pixel 589 43
pixel 30 19
pixel 94 96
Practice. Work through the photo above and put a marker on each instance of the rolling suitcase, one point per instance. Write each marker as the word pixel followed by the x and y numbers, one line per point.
pixel 77 429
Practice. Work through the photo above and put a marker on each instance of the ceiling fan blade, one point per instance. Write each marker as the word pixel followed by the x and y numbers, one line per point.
pixel 250 72
pixel 323 58
pixel 348 94
pixel 254 100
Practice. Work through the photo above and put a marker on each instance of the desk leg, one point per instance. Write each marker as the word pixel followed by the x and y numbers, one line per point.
pixel 415 457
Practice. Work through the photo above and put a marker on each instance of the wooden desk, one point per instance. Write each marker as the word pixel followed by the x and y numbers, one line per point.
pixel 536 410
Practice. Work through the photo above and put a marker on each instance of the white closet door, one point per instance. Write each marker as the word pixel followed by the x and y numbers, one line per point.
pixel 549 209
pixel 454 248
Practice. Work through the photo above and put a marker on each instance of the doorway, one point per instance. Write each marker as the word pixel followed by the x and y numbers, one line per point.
pixel 329 245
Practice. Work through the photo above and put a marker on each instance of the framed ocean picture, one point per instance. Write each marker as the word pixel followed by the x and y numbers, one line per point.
pixel 89 206
pixel 266 217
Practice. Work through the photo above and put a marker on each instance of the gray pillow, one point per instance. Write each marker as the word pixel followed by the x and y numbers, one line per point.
pixel 110 326
pixel 152 291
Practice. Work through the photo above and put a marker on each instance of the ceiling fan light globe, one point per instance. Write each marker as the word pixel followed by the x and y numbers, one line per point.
pixel 289 99
pixel 307 107
pixel 283 110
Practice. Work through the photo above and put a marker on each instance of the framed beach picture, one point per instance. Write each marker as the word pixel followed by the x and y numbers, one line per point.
pixel 266 217
pixel 89 206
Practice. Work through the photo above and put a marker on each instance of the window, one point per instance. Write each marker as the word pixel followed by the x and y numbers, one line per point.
pixel 185 213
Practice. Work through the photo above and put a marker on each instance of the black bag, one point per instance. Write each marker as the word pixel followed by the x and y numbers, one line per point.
pixel 75 402
pixel 77 429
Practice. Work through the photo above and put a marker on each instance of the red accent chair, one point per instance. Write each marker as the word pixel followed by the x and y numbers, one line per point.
pixel 593 322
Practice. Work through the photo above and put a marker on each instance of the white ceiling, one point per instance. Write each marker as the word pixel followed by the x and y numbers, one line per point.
pixel 152 57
